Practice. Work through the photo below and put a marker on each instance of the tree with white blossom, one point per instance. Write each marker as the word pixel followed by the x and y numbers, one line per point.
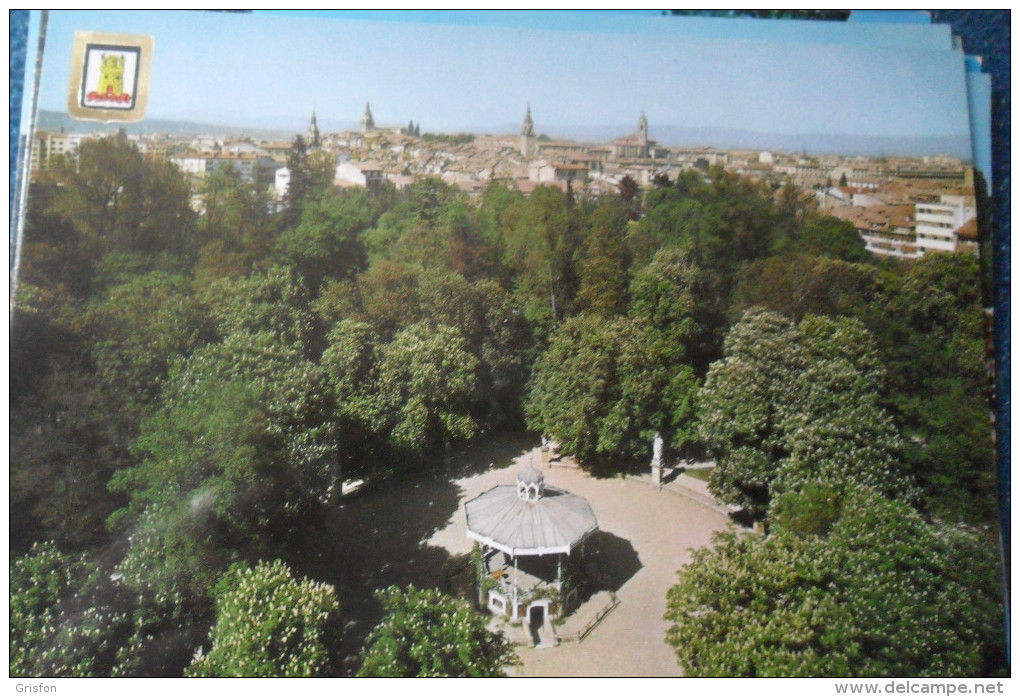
pixel 426 633
pixel 268 624
pixel 792 403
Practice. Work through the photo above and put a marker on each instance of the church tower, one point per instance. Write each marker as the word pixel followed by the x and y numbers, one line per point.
pixel 642 127
pixel 528 135
pixel 313 137
pixel 367 122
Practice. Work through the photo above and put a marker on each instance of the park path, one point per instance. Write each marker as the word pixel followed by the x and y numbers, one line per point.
pixel 662 526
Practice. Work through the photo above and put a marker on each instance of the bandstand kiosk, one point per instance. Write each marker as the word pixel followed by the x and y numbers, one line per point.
pixel 527 535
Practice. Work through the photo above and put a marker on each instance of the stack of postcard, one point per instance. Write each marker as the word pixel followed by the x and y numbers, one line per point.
pixel 289 289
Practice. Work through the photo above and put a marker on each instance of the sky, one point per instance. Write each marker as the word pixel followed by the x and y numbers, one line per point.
pixel 273 71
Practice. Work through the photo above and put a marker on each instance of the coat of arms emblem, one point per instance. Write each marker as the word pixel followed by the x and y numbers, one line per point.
pixel 109 76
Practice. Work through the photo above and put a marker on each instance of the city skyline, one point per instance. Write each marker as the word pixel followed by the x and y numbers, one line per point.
pixel 258 71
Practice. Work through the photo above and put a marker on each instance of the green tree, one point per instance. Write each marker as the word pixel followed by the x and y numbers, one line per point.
pixel 387 296
pixel 311 176
pixel 138 327
pixel 69 429
pixel 604 387
pixel 664 297
pixel 629 189
pixel 242 449
pixel 876 592
pixel 40 582
pixel 236 226
pixel 436 229
pixel 66 620
pixel 603 265
pixel 789 402
pixel 121 201
pixel 722 222
pixel 506 352
pixel 796 285
pixel 498 213
pixel 326 243
pixel 349 367
pixel 425 633
pixel 268 624
pixel 446 297
pixel 929 322
pixel 427 383
pixel 541 248
pixel 56 260
pixel 66 438
pixel 298 187
pixel 274 301
pixel 415 392
pixel 825 236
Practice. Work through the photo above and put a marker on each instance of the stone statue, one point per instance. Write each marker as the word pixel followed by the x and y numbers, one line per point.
pixel 657 460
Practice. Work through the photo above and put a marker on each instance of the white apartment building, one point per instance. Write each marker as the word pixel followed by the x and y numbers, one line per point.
pixel 247 164
pixel 938 224
pixel 48 145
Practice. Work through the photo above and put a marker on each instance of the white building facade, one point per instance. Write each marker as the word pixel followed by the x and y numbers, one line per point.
pixel 938 223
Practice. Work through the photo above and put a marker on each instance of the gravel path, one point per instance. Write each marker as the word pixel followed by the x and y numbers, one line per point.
pixel 662 527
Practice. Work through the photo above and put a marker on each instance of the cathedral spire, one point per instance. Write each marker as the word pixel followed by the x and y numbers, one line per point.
pixel 527 146
pixel 528 127
pixel 367 122
pixel 314 139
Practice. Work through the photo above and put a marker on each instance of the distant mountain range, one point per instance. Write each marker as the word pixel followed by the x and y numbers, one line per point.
pixel 814 143
pixel 56 120
pixel 285 128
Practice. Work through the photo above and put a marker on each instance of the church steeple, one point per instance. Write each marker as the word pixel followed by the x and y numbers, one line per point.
pixel 528 135
pixel 367 122
pixel 314 139
pixel 528 128
pixel 642 126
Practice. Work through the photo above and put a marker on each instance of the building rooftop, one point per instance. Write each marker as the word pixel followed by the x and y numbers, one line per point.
pixel 553 522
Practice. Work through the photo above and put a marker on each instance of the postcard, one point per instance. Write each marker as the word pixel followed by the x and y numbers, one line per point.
pixel 501 344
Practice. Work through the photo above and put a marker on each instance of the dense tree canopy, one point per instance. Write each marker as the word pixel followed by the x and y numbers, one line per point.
pixel 242 448
pixel 197 368
pixel 327 240
pixel 789 403
pixel 929 325
pixel 121 201
pixel 425 633
pixel 139 327
pixel 416 391
pixel 41 582
pixel 236 229
pixel 605 386
pixel 879 593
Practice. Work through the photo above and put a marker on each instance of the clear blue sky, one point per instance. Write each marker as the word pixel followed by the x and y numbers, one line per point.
pixel 260 71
